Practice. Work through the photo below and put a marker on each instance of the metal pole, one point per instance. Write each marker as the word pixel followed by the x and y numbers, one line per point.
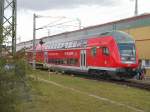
pixel 48 31
pixel 1 15
pixel 136 8
pixel 34 39
pixel 114 27
pixel 1 23
pixel 79 22
pixel 14 22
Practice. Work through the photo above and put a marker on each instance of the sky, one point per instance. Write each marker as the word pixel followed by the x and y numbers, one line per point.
pixel 71 13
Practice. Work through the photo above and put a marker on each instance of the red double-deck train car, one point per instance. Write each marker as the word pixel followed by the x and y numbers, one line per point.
pixel 111 53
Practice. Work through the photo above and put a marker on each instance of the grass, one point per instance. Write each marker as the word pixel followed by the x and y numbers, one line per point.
pixel 50 98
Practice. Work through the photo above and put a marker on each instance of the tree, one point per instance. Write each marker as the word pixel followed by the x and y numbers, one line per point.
pixel 6 32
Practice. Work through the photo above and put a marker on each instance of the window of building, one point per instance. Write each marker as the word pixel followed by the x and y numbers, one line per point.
pixel 147 63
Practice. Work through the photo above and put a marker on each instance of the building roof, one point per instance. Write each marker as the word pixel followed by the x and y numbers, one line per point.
pixel 130 19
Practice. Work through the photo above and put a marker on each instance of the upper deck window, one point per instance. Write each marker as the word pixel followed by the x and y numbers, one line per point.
pixel 69 44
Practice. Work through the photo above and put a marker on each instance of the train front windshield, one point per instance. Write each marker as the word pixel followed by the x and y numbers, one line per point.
pixel 126 46
pixel 127 49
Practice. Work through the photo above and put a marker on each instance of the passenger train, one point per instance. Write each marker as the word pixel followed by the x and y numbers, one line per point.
pixel 111 53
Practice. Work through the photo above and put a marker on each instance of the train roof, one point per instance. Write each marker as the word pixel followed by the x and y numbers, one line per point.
pixel 119 36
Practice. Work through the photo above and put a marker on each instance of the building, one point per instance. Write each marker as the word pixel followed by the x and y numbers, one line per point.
pixel 139 28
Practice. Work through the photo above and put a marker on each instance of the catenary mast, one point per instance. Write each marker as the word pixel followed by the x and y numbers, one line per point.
pixel 8 22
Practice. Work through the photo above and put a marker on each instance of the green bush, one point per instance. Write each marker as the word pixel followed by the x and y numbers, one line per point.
pixel 13 84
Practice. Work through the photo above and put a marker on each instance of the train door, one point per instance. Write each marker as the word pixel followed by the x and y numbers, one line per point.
pixel 45 57
pixel 106 56
pixel 83 60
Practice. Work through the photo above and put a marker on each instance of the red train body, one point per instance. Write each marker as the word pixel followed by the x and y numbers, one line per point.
pixel 111 53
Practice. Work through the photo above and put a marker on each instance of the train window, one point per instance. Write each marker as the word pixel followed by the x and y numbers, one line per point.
pixel 55 61
pixel 49 60
pixel 93 51
pixel 75 61
pixel 57 46
pixel 52 61
pixel 74 44
pixel 60 45
pixel 49 45
pixel 72 61
pixel 70 44
pixel 79 42
pixel 58 61
pixel 64 61
pixel 61 61
pixel 84 42
pixel 66 45
pixel 53 46
pixel 105 51
pixel 68 61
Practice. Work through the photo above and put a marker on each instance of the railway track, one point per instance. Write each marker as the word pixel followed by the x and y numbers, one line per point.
pixel 134 83
pixel 140 84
